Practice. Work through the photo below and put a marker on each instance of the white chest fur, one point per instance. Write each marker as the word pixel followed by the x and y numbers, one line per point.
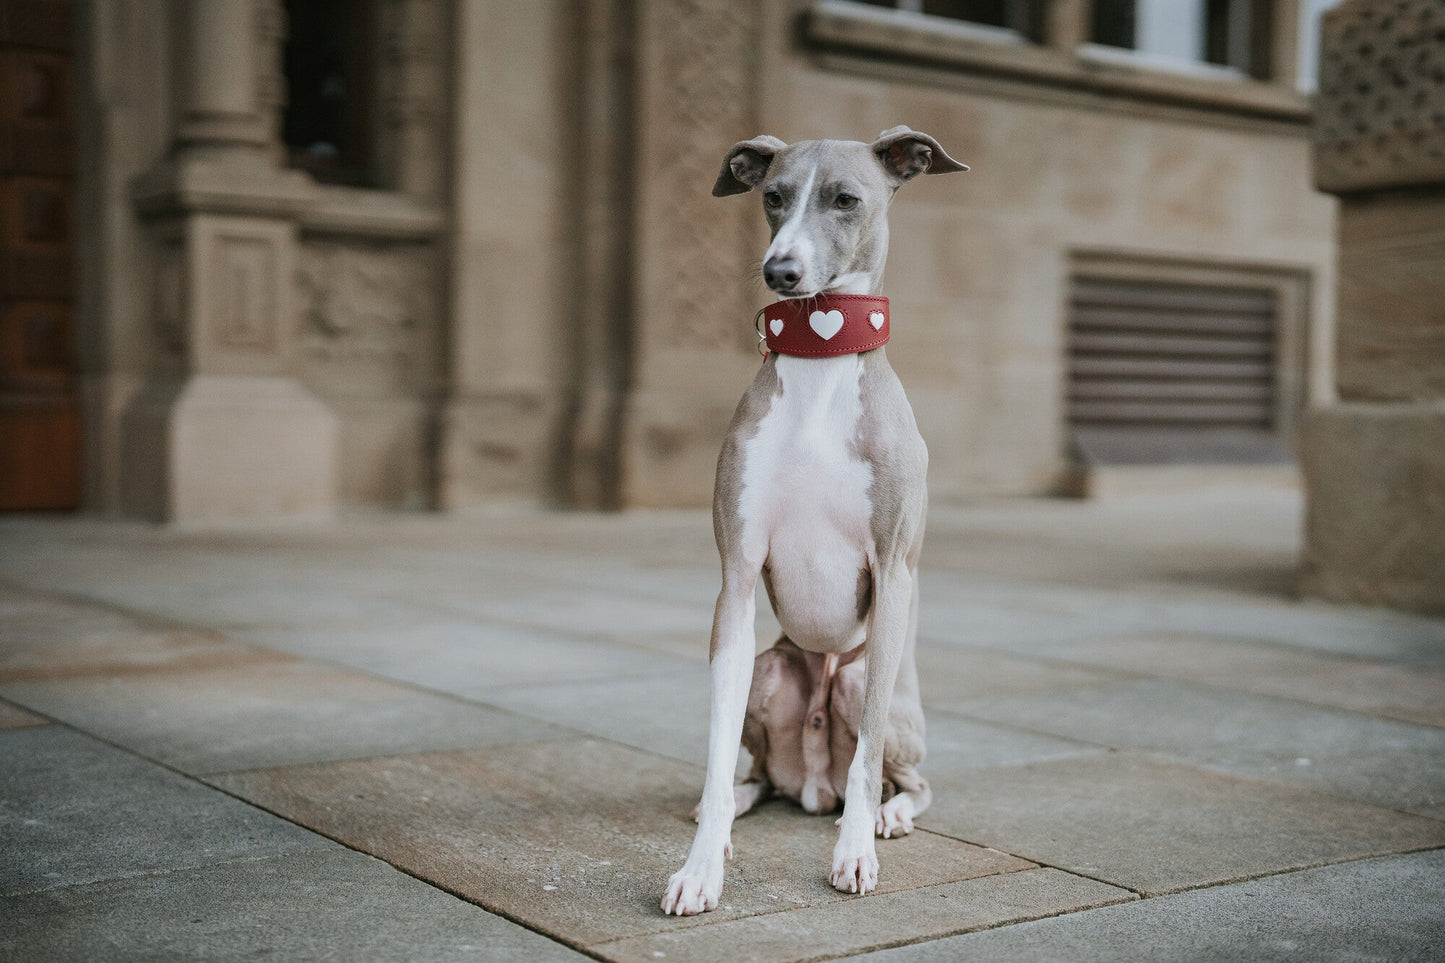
pixel 805 500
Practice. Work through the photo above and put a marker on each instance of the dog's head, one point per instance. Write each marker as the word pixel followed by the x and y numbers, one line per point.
pixel 827 203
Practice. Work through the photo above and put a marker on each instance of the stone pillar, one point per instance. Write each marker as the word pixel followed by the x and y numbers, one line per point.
pixel 692 347
pixel 1065 24
pixel 513 272
pixel 590 467
pixel 1374 463
pixel 223 429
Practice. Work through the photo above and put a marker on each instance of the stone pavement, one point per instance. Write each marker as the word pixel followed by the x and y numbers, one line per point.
pixel 479 737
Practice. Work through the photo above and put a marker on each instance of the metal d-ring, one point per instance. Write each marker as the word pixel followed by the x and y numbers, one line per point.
pixel 762 335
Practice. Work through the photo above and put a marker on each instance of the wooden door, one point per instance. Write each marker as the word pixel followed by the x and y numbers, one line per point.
pixel 39 410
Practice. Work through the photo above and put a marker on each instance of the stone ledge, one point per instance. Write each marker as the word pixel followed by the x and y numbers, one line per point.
pixel 356 212
pixel 247 184
pixel 217 182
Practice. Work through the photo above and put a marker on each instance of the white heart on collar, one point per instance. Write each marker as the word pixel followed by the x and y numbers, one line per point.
pixel 777 325
pixel 826 325
pixel 876 319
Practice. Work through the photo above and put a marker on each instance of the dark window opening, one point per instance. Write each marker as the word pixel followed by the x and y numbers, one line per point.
pixel 327 125
pixel 1010 14
pixel 1113 23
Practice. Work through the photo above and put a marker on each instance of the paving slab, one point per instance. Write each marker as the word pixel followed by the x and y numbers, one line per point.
pixel 1381 761
pixel 562 607
pixel 466 657
pixel 822 932
pixel 951 672
pixel 73 810
pixel 1226 539
pixel 955 744
pixel 978 612
pixel 1157 826
pixel 14 717
pixel 1024 603
pixel 221 580
pixel 666 713
pixel 274 711
pixel 47 637
pixel 1410 693
pixel 1031 614
pixel 1377 909
pixel 330 905
pixel 577 838
pixel 1356 632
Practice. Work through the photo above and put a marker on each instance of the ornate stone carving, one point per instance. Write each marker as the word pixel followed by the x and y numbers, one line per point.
pixel 1380 112
pixel 369 318
pixel 707 53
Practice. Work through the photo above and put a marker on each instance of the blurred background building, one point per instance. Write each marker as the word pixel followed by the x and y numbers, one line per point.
pixel 276 257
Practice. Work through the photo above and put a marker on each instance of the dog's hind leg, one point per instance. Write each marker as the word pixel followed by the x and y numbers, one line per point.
pixel 906 793
pixel 912 796
pixel 771 670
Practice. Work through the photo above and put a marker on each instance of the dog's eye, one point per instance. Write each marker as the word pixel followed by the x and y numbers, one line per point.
pixel 846 202
pixel 773 200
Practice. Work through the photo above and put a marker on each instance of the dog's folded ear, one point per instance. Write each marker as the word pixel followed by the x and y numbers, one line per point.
pixel 906 153
pixel 746 165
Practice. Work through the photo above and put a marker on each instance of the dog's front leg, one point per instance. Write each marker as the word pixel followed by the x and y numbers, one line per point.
pixel 855 860
pixel 695 888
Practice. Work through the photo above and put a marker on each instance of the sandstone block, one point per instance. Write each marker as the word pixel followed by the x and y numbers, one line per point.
pixel 1391 325
pixel 1375 528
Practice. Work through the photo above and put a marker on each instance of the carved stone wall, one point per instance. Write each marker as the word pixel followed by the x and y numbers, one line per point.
pixel 707 51
pixel 699 92
pixel 1380 113
pixel 369 319
pixel 369 327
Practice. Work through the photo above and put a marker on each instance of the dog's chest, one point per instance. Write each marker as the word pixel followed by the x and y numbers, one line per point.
pixel 805 487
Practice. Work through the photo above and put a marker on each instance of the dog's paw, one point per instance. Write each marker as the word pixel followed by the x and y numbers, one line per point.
pixel 691 892
pixel 855 866
pixel 747 795
pixel 895 817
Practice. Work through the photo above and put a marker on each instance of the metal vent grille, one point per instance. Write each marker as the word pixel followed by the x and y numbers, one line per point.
pixel 1171 372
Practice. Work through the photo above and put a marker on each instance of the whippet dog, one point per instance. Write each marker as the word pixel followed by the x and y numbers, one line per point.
pixel 820 491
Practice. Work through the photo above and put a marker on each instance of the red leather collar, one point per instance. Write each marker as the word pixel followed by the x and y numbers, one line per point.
pixel 826 325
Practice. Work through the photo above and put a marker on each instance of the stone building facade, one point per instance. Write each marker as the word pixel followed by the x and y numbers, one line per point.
pixel 524 290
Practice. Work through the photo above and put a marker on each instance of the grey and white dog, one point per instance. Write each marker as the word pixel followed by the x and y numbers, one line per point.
pixel 821 493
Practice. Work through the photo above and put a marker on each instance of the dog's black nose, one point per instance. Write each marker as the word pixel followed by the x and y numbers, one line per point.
pixel 782 273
